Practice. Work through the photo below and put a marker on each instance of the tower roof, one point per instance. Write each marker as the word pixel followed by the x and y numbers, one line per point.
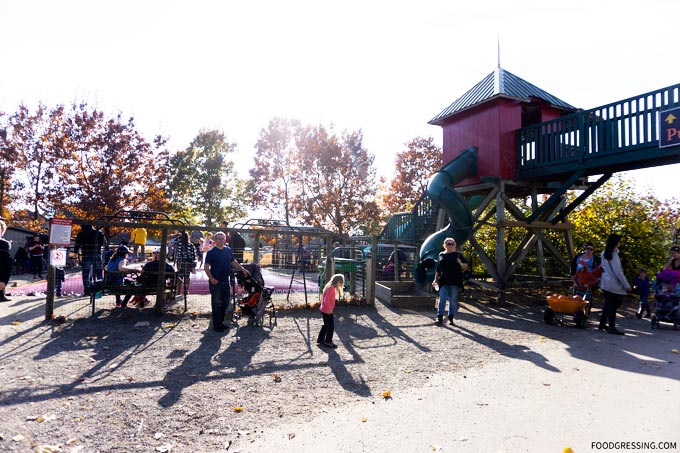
pixel 500 83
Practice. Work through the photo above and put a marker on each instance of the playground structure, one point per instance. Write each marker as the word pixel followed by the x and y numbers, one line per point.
pixel 520 142
pixel 292 257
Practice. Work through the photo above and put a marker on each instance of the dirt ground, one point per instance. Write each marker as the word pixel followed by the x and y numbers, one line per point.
pixel 126 380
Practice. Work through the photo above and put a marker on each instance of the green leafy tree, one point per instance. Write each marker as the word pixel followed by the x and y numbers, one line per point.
pixel 413 169
pixel 646 224
pixel 273 181
pixel 338 182
pixel 203 185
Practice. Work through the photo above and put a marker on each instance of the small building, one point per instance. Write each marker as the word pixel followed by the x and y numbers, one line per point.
pixel 488 117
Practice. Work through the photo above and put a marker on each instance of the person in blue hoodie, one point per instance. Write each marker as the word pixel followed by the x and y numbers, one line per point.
pixel 641 287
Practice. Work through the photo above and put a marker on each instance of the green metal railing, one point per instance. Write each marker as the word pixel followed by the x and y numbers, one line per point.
pixel 611 135
pixel 411 226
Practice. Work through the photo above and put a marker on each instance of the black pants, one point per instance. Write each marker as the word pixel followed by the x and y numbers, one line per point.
pixel 122 302
pixel 219 302
pixel 327 330
pixel 612 302
pixel 36 264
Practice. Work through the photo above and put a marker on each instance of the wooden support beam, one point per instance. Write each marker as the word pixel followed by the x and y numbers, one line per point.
pixel 484 258
pixel 537 225
pixel 500 234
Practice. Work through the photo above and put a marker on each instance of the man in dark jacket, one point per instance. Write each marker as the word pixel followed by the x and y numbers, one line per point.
pixel 6 263
pixel 91 242
pixel 237 245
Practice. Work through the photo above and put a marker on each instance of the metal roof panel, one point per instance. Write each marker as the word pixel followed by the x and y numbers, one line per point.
pixel 500 82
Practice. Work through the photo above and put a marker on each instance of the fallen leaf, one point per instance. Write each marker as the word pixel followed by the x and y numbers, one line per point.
pixel 238 409
pixel 48 449
pixel 71 441
pixel 291 435
pixel 364 420
pixel 164 448
pixel 158 435
pixel 277 378
pixel 18 438
pixel 567 450
pixel 675 351
pixel 16 323
pixel 387 394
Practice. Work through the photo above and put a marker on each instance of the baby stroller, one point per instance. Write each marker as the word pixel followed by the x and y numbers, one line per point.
pixel 258 298
pixel 666 299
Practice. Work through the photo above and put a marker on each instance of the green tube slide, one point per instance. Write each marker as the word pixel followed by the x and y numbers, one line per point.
pixel 441 190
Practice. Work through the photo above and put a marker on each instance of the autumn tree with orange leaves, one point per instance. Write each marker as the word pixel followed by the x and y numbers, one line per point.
pixel 413 169
pixel 338 182
pixel 78 162
pixel 8 165
pixel 310 175
pixel 273 180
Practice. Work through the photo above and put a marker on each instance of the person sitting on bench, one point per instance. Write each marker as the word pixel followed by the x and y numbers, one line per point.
pixel 117 269
pixel 149 276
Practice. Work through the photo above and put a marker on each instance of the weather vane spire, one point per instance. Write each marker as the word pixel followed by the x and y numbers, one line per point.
pixel 498 41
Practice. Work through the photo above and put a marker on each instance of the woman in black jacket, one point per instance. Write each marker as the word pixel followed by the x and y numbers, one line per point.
pixel 448 278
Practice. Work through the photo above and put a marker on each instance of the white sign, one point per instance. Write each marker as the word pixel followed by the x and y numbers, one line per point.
pixel 60 232
pixel 58 257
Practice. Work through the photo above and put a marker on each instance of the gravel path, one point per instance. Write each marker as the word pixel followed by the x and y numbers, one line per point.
pixel 128 381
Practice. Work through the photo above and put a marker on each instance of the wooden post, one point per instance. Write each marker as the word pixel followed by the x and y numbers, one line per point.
pixel 500 235
pixel 539 244
pixel 49 307
pixel 160 283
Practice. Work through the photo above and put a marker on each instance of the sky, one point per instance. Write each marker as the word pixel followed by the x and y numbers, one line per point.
pixel 386 68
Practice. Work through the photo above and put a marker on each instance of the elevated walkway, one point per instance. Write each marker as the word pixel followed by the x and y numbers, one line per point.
pixel 615 137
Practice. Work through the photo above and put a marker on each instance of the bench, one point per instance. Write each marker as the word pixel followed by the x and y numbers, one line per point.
pixel 134 286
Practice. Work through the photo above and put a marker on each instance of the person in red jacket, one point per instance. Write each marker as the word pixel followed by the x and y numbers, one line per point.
pixel 331 291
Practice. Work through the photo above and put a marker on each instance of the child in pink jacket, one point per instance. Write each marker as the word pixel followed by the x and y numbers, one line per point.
pixel 332 290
